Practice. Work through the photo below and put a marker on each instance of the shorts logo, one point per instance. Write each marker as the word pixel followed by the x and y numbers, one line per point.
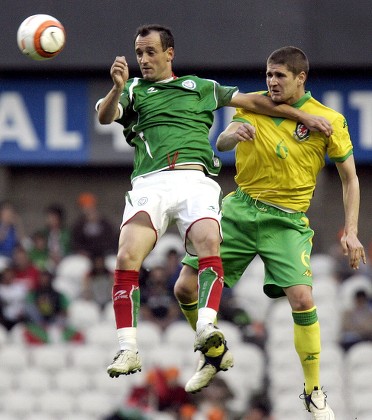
pixel 151 90
pixel 142 201
pixel 212 208
pixel 189 84
pixel 302 133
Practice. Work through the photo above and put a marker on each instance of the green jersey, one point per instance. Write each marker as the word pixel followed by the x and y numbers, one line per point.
pixel 168 122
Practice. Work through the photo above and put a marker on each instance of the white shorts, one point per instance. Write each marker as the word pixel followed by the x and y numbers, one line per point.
pixel 179 197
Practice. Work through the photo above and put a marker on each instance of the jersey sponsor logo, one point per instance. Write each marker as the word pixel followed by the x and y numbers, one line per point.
pixel 302 133
pixel 151 90
pixel 142 201
pixel 189 84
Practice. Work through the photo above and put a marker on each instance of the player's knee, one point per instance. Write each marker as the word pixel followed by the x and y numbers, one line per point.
pixel 127 260
pixel 300 298
pixel 208 245
pixel 205 236
pixel 302 303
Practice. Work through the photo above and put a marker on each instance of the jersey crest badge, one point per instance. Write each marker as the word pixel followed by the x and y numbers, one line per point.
pixel 142 201
pixel 189 84
pixel 302 133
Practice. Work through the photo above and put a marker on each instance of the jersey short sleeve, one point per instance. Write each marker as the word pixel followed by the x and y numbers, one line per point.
pixel 224 94
pixel 242 116
pixel 339 145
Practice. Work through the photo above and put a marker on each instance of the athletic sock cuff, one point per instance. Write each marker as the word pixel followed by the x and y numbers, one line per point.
pixel 189 306
pixel 123 277
pixel 305 317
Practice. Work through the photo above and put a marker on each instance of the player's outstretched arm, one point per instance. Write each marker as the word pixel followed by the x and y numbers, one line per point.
pixel 262 104
pixel 351 197
pixel 108 108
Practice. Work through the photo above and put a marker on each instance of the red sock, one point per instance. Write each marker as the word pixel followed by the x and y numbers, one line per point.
pixel 126 298
pixel 210 282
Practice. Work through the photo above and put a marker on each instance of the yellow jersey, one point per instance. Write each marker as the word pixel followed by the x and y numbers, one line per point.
pixel 280 165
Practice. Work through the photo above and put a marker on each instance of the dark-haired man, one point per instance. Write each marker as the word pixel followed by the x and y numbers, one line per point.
pixel 265 216
pixel 167 120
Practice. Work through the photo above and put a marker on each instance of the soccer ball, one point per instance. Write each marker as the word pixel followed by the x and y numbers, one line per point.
pixel 41 37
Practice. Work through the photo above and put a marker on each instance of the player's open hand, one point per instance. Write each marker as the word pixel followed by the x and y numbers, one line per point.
pixel 119 72
pixel 354 249
pixel 317 123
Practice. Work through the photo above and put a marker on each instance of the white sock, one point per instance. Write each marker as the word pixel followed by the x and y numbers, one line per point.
pixel 127 338
pixel 205 316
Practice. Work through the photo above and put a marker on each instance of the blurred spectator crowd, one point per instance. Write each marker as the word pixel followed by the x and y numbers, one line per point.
pixel 46 277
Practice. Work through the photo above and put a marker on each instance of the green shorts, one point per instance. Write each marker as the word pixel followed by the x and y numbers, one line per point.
pixel 282 240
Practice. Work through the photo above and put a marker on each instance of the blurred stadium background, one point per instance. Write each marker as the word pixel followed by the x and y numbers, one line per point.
pixel 52 148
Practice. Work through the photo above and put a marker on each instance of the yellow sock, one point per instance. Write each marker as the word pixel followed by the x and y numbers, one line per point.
pixel 190 311
pixel 307 344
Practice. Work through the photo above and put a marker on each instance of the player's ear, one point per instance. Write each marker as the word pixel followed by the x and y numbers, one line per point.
pixel 170 54
pixel 301 78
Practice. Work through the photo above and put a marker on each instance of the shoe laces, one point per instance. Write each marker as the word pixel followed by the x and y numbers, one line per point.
pixel 307 397
pixel 119 353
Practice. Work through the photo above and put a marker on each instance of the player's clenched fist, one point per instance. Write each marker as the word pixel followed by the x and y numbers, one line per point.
pixel 245 132
pixel 119 72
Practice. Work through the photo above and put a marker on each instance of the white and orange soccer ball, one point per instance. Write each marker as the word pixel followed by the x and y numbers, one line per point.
pixel 41 37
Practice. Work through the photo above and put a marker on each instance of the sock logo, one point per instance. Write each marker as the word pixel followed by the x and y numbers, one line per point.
pixel 121 294
pixel 310 357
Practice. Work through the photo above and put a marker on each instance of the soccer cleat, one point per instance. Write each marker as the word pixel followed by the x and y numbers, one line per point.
pixel 125 362
pixel 209 336
pixel 316 404
pixel 207 370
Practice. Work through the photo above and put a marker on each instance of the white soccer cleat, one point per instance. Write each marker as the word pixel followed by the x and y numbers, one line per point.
pixel 209 336
pixel 316 404
pixel 125 362
pixel 207 370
